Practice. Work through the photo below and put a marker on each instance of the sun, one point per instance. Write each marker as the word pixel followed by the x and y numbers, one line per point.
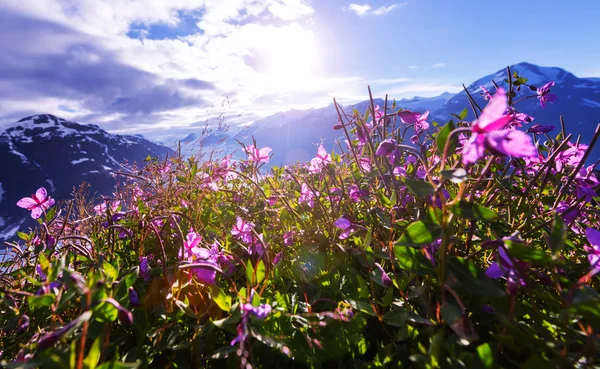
pixel 291 58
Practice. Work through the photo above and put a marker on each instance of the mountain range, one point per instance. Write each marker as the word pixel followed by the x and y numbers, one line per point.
pixel 47 151
pixel 44 150
pixel 295 134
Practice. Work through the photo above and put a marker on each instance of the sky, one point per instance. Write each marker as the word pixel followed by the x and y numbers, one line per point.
pixel 165 68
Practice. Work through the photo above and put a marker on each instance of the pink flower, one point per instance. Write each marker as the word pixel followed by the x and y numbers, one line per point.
pixel 571 156
pixel 288 238
pixel 485 93
pixel 488 134
pixel 259 156
pixel 593 237
pixel 37 203
pixel 418 119
pixel 320 161
pixel 346 226
pixel 544 94
pixel 100 209
pixel 307 196
pixel 242 230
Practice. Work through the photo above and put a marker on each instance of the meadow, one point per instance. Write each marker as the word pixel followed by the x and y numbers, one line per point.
pixel 416 244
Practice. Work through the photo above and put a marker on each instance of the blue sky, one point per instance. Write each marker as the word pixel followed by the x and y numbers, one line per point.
pixel 167 67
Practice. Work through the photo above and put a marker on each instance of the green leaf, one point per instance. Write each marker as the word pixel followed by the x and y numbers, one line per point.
pixel 40 302
pixel 442 138
pixel 463 114
pixel 91 360
pixel 396 318
pixel 485 355
pixel 260 271
pixel 412 259
pixel 420 233
pixel 419 188
pixel 459 322
pixel 119 365
pixel 472 211
pixel 110 271
pixel 182 179
pixel 558 235
pixel 105 312
pixel 23 236
pixel 220 298
pixel 527 253
pixel 249 272
pixel 473 278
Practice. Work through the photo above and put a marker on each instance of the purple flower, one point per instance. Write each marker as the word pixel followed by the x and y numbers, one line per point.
pixel 23 324
pixel 125 316
pixel 385 279
pixel 37 203
pixel 288 238
pixel 505 267
pixel 593 250
pixel 544 94
pixel 258 155
pixel 485 93
pixel 320 161
pixel 488 133
pixel 307 196
pixel 386 147
pixel 242 230
pixel 571 156
pixel 261 311
pixel 539 129
pixel 134 299
pixel 568 216
pixel 346 226
pixel 356 194
pixel 144 268
pixel 418 119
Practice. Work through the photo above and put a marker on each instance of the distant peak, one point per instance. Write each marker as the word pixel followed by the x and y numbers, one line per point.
pixel 42 119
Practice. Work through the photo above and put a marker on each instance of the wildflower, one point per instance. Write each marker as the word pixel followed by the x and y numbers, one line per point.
pixel 571 156
pixel 37 203
pixel 485 93
pixel 144 268
pixel 356 194
pixel 100 209
pixel 320 161
pixel 125 316
pixel 261 311
pixel 346 226
pixel 258 155
pixel 544 94
pixel 307 196
pixel 539 129
pixel 365 163
pixel 288 238
pixel 488 134
pixel 386 147
pixel 134 299
pixel 385 279
pixel 242 230
pixel 518 118
pixel 505 267
pixel 418 119
pixel 23 324
pixel 593 237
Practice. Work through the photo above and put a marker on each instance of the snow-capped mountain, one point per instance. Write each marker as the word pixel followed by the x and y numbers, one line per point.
pixel 578 100
pixel 294 135
pixel 47 151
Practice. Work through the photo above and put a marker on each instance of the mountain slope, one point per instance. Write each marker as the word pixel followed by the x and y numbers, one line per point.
pixel 295 135
pixel 43 150
pixel 578 100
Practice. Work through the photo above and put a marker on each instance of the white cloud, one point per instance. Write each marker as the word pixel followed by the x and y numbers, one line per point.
pixel 439 65
pixel 384 9
pixel 365 9
pixel 360 10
